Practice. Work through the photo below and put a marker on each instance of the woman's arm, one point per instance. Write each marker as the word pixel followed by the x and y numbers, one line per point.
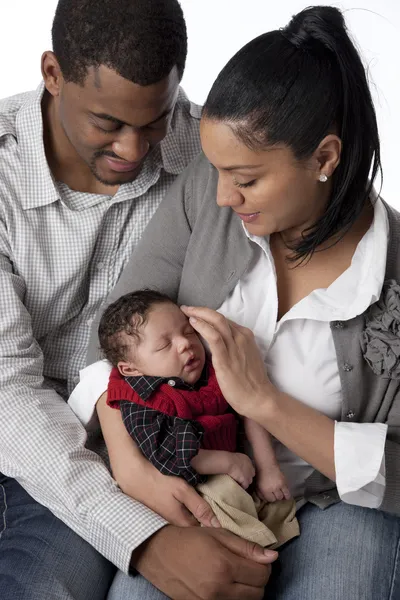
pixel 243 381
pixel 303 430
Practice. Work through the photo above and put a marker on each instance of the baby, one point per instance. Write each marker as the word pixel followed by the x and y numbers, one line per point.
pixel 170 400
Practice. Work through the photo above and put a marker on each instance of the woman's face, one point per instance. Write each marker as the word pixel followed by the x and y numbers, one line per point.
pixel 270 190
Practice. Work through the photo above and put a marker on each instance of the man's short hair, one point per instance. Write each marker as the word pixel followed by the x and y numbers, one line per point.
pixel 142 40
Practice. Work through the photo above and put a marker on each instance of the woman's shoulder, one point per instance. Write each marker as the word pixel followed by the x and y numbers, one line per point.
pixel 200 180
pixel 393 214
pixel 393 248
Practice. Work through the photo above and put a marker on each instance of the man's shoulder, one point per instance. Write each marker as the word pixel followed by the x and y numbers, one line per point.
pixel 186 124
pixel 182 142
pixel 9 109
pixel 187 109
pixel 11 170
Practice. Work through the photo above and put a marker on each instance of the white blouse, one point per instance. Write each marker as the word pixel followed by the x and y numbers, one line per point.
pixel 300 359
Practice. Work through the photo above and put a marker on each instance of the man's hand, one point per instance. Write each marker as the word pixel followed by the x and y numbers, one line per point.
pixel 170 497
pixel 204 564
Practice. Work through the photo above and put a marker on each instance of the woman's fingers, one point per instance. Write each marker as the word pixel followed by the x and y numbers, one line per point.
pixel 238 364
pixel 226 327
pixel 213 318
pixel 213 337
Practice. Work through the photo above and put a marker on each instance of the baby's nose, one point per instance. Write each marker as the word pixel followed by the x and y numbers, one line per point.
pixel 183 344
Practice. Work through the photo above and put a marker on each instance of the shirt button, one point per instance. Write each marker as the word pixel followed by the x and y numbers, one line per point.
pixel 89 322
pixel 338 324
pixel 350 415
pixel 100 266
pixel 76 379
pixel 347 367
pixel 171 382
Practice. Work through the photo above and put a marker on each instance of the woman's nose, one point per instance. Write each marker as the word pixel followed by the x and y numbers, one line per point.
pixel 227 194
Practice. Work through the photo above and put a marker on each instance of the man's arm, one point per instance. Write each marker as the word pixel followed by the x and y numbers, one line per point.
pixel 42 443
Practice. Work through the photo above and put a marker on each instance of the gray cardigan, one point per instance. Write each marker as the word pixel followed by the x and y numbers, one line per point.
pixel 196 252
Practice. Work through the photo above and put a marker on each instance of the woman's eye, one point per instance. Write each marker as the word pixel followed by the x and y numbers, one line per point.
pixel 244 185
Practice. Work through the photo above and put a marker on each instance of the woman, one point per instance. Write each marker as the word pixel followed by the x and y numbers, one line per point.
pixel 302 253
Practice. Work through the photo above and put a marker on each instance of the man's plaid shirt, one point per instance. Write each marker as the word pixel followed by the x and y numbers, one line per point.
pixel 61 253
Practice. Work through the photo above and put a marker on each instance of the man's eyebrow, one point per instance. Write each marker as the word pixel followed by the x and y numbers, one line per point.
pixel 107 117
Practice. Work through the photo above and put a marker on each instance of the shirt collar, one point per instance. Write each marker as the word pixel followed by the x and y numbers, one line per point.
pixel 176 155
pixel 145 385
pixel 39 187
pixel 358 287
pixel 38 184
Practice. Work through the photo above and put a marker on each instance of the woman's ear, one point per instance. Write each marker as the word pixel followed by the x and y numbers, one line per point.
pixel 327 155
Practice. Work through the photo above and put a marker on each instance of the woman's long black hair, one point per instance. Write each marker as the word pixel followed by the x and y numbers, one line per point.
pixel 295 86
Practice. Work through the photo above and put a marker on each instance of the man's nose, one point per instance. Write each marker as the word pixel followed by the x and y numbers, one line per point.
pixel 131 145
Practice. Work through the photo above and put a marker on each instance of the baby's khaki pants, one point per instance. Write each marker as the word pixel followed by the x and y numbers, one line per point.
pixel 268 524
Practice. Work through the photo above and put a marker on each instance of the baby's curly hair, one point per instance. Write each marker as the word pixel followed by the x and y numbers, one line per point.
pixel 126 315
pixel 142 40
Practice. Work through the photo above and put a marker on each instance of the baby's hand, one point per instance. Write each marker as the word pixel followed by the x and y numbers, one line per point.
pixel 241 469
pixel 271 484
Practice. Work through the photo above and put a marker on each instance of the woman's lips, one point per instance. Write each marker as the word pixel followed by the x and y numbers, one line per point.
pixel 249 217
pixel 121 166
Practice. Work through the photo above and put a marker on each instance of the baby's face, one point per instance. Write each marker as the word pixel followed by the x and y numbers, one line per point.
pixel 168 347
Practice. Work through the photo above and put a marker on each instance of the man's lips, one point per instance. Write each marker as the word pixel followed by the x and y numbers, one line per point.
pixel 120 165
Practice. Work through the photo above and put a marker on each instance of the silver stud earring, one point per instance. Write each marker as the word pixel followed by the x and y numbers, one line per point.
pixel 323 178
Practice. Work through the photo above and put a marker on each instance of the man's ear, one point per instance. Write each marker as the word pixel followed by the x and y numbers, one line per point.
pixel 127 369
pixel 51 73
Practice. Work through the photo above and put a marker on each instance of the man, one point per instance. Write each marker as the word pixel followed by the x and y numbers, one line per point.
pixel 84 162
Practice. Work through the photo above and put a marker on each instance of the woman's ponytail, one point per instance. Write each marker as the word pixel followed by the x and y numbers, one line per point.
pixel 295 86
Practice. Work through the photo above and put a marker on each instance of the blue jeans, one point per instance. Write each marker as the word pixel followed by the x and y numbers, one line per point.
pixel 41 558
pixel 343 553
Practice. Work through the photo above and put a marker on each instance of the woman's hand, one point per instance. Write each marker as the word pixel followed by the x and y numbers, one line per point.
pixel 244 382
pixel 170 497
pixel 237 361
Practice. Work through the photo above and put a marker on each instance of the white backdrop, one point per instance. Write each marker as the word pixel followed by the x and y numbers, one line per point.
pixel 216 30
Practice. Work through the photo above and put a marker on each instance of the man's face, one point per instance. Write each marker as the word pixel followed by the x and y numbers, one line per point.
pixel 113 123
